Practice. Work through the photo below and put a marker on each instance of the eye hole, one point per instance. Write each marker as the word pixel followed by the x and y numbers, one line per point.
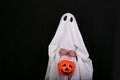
pixel 71 19
pixel 70 66
pixel 64 64
pixel 65 18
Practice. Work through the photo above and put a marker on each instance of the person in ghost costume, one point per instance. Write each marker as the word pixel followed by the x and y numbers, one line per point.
pixel 68 44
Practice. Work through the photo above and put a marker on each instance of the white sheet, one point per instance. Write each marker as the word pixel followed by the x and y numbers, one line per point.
pixel 69 37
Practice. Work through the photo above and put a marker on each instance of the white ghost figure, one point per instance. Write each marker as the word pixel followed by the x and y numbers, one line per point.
pixel 69 37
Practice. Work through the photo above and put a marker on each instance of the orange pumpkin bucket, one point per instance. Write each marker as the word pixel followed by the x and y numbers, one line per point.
pixel 66 67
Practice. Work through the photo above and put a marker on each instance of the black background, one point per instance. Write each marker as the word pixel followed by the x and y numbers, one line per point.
pixel 28 26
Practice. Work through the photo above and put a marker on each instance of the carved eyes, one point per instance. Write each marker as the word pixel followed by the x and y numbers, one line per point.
pixel 70 66
pixel 65 65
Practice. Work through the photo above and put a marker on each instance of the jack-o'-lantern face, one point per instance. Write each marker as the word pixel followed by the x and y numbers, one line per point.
pixel 66 67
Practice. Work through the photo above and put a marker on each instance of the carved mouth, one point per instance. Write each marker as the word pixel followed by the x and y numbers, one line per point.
pixel 66 73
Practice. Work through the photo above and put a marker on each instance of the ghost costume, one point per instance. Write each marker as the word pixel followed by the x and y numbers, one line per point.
pixel 69 37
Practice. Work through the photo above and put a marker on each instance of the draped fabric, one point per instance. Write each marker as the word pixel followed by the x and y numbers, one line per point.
pixel 69 37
